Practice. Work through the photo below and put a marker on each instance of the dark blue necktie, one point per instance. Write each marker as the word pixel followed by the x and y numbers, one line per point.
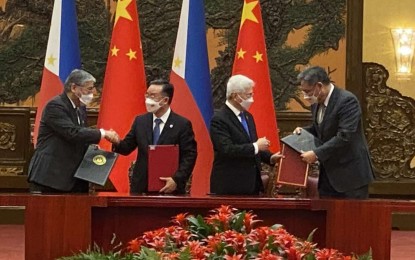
pixel 156 130
pixel 244 123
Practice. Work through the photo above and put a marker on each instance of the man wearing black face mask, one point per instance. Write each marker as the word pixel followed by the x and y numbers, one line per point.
pixel 160 126
pixel 345 166
pixel 63 138
pixel 238 150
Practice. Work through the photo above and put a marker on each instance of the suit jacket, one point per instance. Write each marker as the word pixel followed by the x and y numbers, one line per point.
pixel 177 130
pixel 344 153
pixel 236 169
pixel 61 145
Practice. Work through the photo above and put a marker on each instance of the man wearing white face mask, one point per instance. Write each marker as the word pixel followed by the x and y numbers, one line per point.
pixel 64 137
pixel 238 150
pixel 160 126
pixel 345 165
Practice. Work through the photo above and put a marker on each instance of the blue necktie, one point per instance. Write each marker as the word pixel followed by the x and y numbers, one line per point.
pixel 244 123
pixel 156 130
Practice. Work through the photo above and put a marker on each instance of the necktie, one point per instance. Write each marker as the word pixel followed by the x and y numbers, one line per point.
pixel 156 130
pixel 78 114
pixel 244 123
pixel 320 113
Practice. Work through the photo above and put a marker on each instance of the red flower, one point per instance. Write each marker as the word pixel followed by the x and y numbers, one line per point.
pixel 249 221
pixel 267 255
pixel 134 246
pixel 224 209
pixel 216 238
pixel 233 257
pixel 292 254
pixel 197 250
pixel 329 254
pixel 180 219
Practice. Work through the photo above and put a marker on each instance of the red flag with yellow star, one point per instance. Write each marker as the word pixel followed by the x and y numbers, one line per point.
pixel 124 85
pixel 251 61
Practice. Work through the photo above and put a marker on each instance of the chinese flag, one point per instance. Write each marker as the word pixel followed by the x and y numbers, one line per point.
pixel 62 55
pixel 124 85
pixel 251 61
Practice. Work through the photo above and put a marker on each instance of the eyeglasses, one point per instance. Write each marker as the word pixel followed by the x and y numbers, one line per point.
pixel 153 96
pixel 246 95
pixel 308 91
pixel 87 88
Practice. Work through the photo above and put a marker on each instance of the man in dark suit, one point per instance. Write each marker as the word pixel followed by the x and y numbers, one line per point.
pixel 345 165
pixel 238 150
pixel 64 138
pixel 160 126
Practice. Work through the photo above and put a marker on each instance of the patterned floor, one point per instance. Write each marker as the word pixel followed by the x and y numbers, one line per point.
pixel 12 243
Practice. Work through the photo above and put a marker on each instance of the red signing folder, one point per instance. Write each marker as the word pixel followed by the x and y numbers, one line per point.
pixel 292 169
pixel 163 161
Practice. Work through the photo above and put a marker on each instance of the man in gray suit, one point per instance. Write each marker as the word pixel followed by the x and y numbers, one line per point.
pixel 64 138
pixel 345 165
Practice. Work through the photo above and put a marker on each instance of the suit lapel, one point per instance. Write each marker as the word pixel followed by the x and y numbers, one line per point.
pixel 329 109
pixel 149 127
pixel 235 120
pixel 168 126
pixel 71 109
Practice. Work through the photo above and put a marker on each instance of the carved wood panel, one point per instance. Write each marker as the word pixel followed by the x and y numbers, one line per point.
pixel 14 140
pixel 389 127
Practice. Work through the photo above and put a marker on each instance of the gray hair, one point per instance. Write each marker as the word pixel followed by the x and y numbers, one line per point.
pixel 313 75
pixel 77 77
pixel 238 84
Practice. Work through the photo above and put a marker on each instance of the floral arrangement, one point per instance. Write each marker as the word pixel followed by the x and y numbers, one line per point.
pixel 226 234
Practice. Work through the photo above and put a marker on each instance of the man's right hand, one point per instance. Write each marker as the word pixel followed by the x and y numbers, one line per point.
pixel 297 131
pixel 263 144
pixel 112 136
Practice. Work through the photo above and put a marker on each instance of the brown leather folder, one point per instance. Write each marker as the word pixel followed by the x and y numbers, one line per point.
pixel 163 161
pixel 96 165
pixel 292 169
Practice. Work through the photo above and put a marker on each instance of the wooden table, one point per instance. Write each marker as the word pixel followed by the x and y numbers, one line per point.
pixel 59 225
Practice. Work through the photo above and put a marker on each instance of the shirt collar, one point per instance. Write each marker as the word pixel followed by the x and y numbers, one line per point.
pixel 234 109
pixel 163 117
pixel 73 104
pixel 326 101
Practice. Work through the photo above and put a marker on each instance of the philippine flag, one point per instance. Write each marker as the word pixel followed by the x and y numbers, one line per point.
pixel 62 55
pixel 193 94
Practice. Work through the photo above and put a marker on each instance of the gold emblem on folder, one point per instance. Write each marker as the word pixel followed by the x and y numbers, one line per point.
pixel 99 159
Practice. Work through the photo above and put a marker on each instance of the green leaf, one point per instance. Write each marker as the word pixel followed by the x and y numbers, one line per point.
pixel 237 221
pixel 276 226
pixel 310 236
pixel 366 256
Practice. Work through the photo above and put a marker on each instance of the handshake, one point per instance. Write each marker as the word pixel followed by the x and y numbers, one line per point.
pixel 112 136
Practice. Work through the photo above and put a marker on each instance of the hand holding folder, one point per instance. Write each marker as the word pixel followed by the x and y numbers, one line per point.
pixel 163 161
pixel 292 169
pixel 96 165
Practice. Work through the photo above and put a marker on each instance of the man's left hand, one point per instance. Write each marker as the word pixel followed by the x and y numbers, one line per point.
pixel 170 185
pixel 275 157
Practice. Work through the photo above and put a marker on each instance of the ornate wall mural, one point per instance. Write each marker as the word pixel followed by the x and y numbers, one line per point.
pixel 24 28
